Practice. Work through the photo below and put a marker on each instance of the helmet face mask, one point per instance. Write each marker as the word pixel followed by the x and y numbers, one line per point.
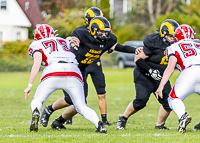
pixel 43 31
pixel 91 13
pixel 168 28
pixel 184 32
pixel 100 29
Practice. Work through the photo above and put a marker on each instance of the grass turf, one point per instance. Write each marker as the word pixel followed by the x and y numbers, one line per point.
pixel 15 113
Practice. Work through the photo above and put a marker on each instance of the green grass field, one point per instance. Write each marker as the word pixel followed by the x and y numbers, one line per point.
pixel 15 114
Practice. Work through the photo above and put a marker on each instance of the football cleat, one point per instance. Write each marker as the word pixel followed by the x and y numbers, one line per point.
pixel 57 125
pixel 161 127
pixel 196 127
pixel 101 128
pixel 34 120
pixel 106 123
pixel 121 123
pixel 69 122
pixel 45 116
pixel 183 122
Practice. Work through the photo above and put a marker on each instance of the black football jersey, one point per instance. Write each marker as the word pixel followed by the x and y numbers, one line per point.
pixel 154 47
pixel 89 49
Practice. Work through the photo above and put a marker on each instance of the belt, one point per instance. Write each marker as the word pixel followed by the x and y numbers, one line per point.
pixel 64 62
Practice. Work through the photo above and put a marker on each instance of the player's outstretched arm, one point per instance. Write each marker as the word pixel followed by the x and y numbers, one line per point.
pixel 34 71
pixel 126 48
pixel 167 74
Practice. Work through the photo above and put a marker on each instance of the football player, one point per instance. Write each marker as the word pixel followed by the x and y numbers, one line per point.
pixel 185 53
pixel 96 72
pixel 61 72
pixel 92 43
pixel 150 65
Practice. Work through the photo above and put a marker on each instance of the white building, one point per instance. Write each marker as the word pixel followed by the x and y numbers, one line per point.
pixel 15 18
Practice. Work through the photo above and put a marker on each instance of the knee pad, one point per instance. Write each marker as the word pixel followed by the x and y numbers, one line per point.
pixel 138 104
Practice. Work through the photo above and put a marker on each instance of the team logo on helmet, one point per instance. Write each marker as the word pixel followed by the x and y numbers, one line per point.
pixel 91 13
pixel 185 32
pixel 43 31
pixel 100 24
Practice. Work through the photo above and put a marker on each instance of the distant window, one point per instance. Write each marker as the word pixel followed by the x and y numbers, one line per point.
pixel 18 36
pixel 1 36
pixel 3 4
pixel 27 5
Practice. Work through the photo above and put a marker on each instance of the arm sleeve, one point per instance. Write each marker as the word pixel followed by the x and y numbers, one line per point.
pixel 141 63
pixel 125 48
pixel 32 49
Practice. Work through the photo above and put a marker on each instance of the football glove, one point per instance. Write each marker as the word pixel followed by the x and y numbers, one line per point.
pixel 155 74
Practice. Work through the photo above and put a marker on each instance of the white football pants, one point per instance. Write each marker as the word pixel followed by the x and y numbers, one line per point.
pixel 66 76
pixel 187 83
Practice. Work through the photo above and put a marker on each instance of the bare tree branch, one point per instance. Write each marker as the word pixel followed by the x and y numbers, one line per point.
pixel 158 10
pixel 151 15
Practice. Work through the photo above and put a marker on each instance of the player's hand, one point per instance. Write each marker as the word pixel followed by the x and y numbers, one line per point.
pixel 138 50
pixel 155 74
pixel 27 92
pixel 74 42
pixel 158 92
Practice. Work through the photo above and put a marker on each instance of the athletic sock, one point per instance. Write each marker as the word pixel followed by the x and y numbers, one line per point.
pixel 61 119
pixel 125 118
pixel 50 108
pixel 104 117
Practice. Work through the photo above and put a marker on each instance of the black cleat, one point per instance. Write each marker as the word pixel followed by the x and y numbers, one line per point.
pixel 196 127
pixel 34 120
pixel 106 123
pixel 46 113
pixel 101 128
pixel 183 122
pixel 121 123
pixel 69 122
pixel 57 125
pixel 161 127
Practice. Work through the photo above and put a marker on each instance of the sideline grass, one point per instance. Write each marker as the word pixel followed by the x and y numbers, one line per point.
pixel 15 114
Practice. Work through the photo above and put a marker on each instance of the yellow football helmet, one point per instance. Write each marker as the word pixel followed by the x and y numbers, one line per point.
pixel 91 13
pixel 99 23
pixel 168 27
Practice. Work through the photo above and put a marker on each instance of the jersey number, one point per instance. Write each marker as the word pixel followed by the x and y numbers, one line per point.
pixel 187 49
pixel 52 44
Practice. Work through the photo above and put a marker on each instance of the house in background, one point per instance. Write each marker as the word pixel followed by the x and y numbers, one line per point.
pixel 118 8
pixel 16 17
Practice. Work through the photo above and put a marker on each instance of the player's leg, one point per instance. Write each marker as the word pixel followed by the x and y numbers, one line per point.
pixel 178 94
pixel 197 90
pixel 164 110
pixel 78 98
pixel 48 110
pixel 98 78
pixel 143 87
pixel 41 95
pixel 66 116
pixel 70 111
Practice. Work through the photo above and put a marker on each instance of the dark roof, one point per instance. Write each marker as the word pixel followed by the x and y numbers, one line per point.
pixel 32 11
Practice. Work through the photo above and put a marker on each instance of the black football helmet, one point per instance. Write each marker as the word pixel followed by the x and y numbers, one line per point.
pixel 168 27
pixel 99 23
pixel 91 13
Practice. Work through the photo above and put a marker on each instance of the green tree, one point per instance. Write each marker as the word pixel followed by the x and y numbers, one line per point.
pixel 105 8
pixel 65 24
